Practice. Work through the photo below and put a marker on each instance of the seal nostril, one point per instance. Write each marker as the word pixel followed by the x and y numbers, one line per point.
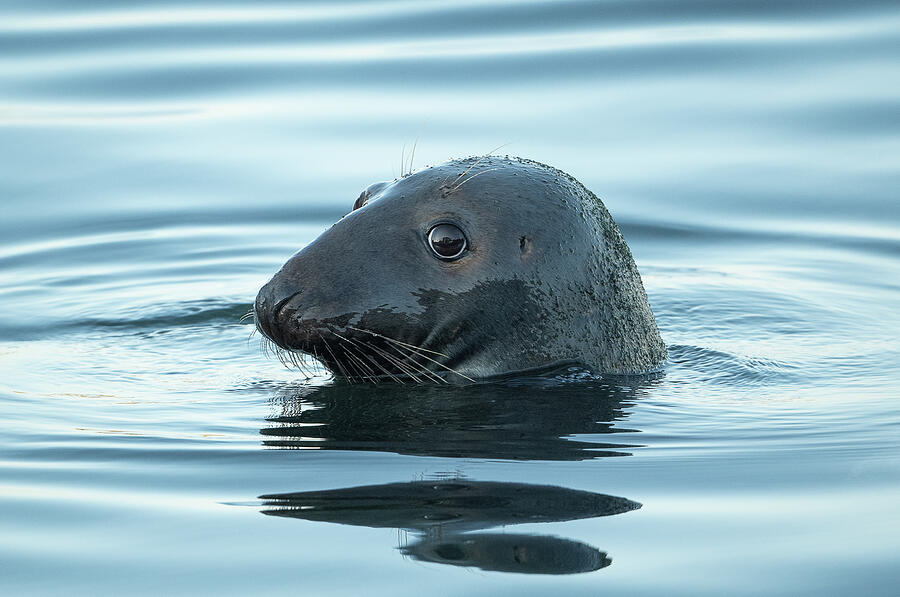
pixel 280 304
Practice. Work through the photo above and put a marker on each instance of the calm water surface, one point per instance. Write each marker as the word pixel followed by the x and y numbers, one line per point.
pixel 159 161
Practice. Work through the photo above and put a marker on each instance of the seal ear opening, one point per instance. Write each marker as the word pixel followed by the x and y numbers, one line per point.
pixel 525 247
pixel 364 197
pixel 361 200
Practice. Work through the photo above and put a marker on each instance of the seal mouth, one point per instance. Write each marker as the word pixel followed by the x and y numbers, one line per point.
pixel 351 345
pixel 352 352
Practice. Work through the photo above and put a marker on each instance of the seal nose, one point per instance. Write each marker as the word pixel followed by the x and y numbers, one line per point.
pixel 267 309
pixel 261 314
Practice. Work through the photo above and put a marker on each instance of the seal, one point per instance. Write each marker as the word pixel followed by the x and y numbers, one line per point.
pixel 475 268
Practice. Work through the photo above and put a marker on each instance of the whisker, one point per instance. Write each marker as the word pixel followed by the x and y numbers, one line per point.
pixel 407 359
pixel 418 348
pixel 403 368
pixel 402 364
pixel 451 370
pixel 316 355
pixel 417 351
pixel 362 363
pixel 403 161
pixel 393 360
pixel 413 154
pixel 476 175
pixel 380 366
pixel 336 360
pixel 299 361
pixel 374 362
pixel 364 367
pixel 356 364
pixel 387 372
pixel 280 356
pixel 319 359
pixel 478 161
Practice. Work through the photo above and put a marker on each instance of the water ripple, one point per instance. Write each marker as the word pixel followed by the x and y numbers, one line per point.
pixel 159 161
pixel 174 54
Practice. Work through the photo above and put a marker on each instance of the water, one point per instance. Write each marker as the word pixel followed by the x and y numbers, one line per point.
pixel 159 161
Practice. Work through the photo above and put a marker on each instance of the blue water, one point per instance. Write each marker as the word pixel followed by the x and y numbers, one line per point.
pixel 159 161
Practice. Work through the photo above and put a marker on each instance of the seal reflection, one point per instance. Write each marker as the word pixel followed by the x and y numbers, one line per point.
pixel 444 514
pixel 512 420
pixel 517 419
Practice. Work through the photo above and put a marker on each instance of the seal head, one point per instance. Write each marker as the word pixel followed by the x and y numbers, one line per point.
pixel 475 268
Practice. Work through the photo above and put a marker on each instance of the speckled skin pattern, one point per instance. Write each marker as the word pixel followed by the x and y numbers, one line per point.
pixel 547 280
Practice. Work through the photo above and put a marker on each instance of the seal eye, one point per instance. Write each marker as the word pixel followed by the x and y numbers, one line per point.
pixel 447 241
